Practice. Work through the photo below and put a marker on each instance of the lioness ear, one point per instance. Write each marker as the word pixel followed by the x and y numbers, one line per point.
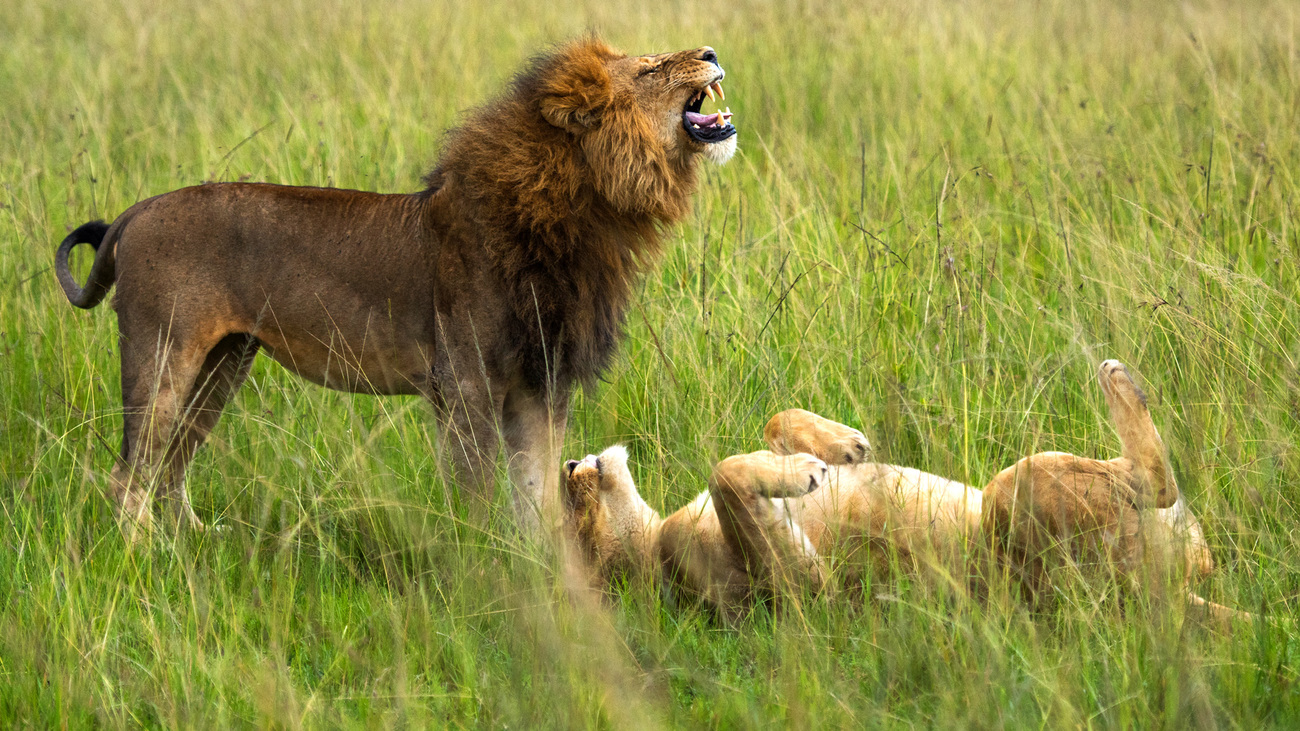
pixel 580 490
pixel 576 88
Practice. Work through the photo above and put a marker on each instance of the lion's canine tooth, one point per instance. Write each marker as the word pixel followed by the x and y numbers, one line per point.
pixel 720 92
pixel 709 90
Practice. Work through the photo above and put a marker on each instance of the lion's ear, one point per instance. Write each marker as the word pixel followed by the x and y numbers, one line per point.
pixel 577 90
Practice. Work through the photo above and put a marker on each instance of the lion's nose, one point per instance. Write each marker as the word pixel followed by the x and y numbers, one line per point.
pixel 708 55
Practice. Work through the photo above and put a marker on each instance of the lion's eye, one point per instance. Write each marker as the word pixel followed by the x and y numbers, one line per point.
pixel 648 70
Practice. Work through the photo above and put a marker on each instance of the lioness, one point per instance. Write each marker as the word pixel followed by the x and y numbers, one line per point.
pixel 1054 511
pixel 490 292
pixel 771 519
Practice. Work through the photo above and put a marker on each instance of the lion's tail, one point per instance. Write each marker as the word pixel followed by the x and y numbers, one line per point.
pixel 102 273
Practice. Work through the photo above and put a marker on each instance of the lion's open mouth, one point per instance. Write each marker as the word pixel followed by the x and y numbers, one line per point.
pixel 707 128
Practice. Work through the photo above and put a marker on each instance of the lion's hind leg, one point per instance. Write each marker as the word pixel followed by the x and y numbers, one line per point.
pixel 224 370
pixel 170 364
pixel 795 430
pixel 769 543
pixel 158 373
pixel 1141 443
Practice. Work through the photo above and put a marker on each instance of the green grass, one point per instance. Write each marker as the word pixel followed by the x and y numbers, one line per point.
pixel 944 215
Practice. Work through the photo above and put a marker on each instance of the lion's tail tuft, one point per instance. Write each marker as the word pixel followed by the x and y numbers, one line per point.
pixel 102 272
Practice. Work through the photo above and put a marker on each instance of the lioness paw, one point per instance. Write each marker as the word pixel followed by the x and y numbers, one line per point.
pixel 796 430
pixel 798 474
pixel 815 470
pixel 853 448
pixel 772 475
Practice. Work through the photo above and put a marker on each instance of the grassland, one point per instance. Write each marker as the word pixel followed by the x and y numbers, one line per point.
pixel 944 215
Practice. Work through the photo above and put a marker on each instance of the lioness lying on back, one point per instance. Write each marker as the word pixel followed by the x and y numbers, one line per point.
pixel 770 520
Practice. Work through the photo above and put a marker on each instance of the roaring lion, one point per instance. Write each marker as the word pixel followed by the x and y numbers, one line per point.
pixel 771 520
pixel 491 292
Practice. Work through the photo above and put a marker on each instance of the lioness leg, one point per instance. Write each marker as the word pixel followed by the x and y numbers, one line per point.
pixel 796 430
pixel 773 548
pixel 1140 441
pixel 157 374
pixel 222 373
pixel 1221 614
pixel 534 431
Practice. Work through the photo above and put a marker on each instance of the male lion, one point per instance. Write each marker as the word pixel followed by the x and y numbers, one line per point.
pixel 490 293
pixel 770 520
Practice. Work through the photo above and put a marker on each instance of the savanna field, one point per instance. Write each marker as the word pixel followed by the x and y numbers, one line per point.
pixel 942 217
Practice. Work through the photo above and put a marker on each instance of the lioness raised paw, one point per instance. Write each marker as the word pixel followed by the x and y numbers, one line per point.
pixel 772 475
pixel 796 430
pixel 1120 389
pixel 1139 440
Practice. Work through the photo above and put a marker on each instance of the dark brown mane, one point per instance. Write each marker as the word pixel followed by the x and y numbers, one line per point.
pixel 569 214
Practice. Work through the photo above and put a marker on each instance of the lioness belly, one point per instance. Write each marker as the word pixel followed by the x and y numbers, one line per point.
pixel 912 512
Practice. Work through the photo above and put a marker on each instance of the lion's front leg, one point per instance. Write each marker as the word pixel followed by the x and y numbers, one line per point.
pixel 469 435
pixel 534 431
pixel 796 430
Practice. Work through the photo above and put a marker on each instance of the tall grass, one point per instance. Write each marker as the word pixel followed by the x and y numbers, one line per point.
pixel 943 217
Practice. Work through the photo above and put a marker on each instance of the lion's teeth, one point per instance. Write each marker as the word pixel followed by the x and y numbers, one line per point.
pixel 718 84
pixel 696 126
pixel 709 90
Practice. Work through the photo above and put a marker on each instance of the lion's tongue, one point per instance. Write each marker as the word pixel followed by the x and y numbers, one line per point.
pixel 704 120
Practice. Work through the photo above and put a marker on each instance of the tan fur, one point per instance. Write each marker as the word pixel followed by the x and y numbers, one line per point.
pixel 724 556
pixel 1055 512
pixel 490 293
pixel 753 533
pixel 769 519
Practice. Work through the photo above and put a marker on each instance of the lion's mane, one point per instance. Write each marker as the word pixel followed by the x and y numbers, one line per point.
pixel 568 216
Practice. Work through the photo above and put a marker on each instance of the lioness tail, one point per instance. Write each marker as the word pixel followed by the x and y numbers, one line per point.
pixel 102 272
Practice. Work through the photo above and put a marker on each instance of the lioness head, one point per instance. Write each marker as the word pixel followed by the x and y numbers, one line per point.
pixel 604 514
